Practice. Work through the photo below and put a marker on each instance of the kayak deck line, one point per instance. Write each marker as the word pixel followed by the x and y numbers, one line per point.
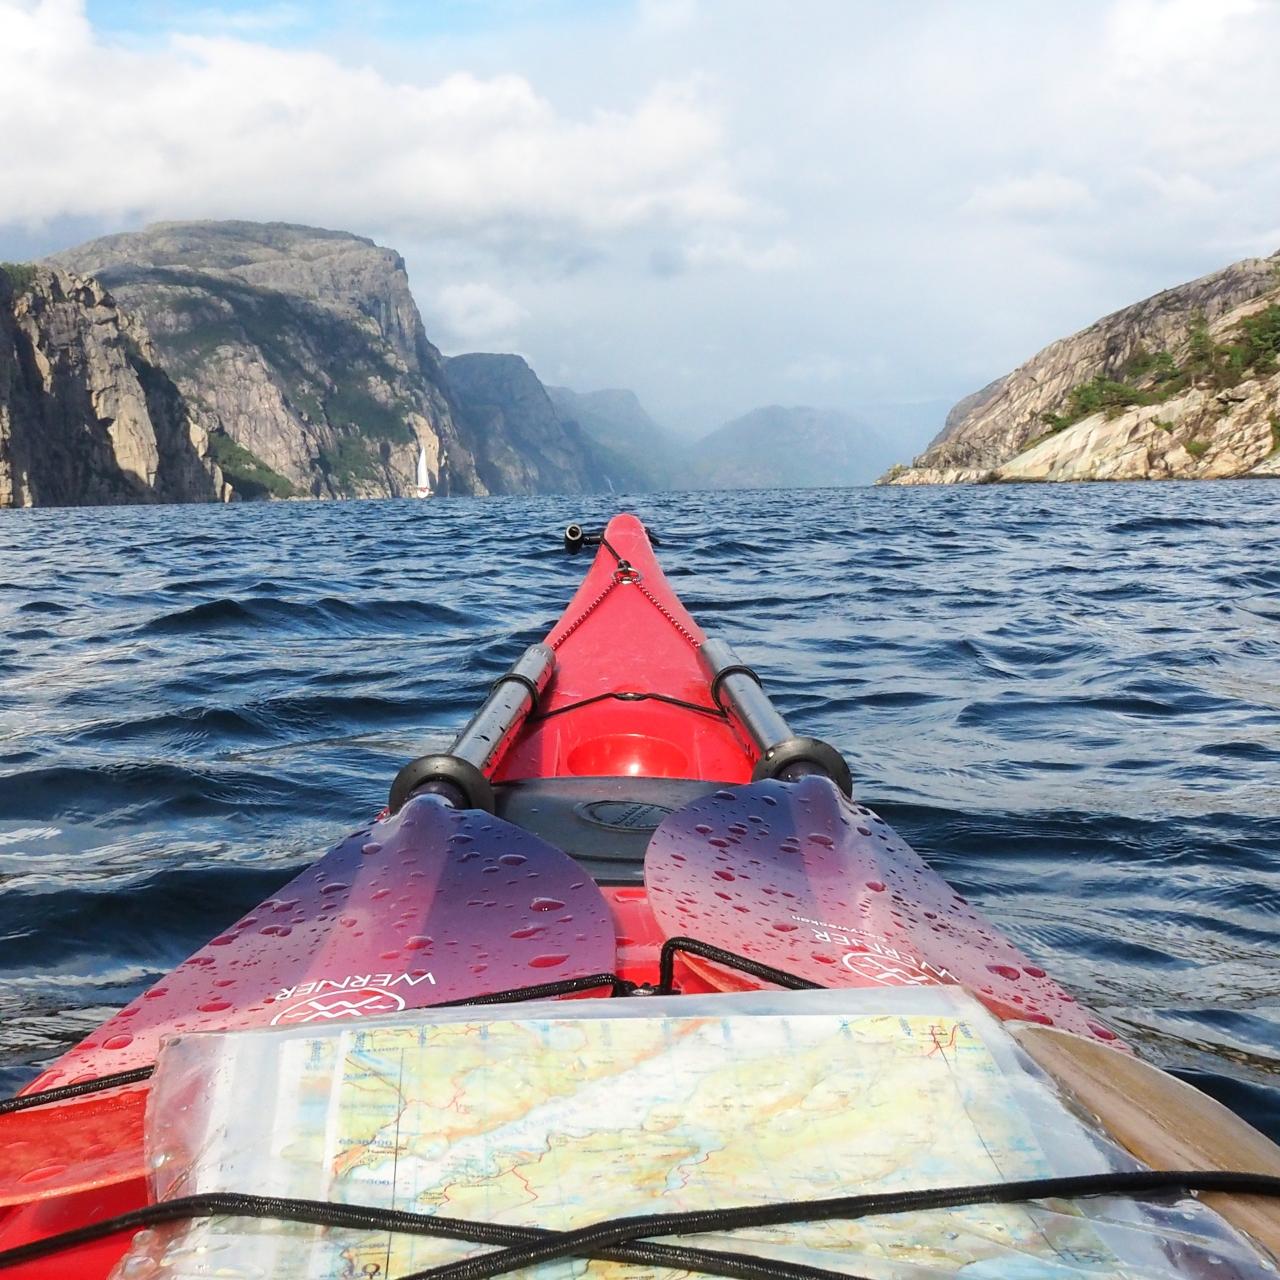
pixel 631 1238
pixel 631 806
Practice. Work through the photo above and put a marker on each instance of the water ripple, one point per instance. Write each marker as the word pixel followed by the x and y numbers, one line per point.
pixel 1067 697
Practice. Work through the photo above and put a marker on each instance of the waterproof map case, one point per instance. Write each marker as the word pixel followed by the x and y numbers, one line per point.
pixel 562 1115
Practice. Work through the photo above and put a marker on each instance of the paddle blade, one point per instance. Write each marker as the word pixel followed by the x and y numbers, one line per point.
pixel 797 877
pixel 431 905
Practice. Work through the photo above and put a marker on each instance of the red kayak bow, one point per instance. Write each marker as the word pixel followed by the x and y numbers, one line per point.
pixel 518 859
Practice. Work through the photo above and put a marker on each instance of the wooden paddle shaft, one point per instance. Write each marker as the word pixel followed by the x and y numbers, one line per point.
pixel 1165 1122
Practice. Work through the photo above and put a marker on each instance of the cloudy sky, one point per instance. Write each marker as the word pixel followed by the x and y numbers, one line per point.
pixel 848 203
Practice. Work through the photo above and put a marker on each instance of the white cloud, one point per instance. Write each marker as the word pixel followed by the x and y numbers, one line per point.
pixel 1146 37
pixel 1036 195
pixel 731 249
pixel 1178 190
pixel 214 125
pixel 476 313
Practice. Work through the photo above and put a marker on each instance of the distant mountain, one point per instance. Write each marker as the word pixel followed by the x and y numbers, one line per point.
pixel 521 442
pixel 638 454
pixel 784 448
pixel 1183 385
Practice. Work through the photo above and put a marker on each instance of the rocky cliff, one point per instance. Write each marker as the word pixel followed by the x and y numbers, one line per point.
pixel 522 444
pixel 304 347
pixel 87 415
pixel 1181 385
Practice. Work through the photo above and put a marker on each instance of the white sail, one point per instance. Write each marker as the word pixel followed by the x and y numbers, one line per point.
pixel 424 476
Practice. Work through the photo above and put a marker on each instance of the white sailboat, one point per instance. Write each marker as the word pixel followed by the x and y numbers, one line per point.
pixel 424 476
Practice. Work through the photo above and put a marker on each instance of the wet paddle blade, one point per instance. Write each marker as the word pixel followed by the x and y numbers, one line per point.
pixel 797 877
pixel 431 905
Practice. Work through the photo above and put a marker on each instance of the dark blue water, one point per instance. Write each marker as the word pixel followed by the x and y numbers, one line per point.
pixel 1066 697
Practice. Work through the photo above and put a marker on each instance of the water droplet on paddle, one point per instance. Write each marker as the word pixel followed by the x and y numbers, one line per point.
pixel 547 961
pixel 122 1041
pixel 546 904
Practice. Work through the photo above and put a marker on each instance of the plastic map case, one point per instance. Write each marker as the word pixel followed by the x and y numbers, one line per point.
pixel 561 1115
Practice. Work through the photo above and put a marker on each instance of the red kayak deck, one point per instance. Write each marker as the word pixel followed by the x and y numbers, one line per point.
pixel 628 699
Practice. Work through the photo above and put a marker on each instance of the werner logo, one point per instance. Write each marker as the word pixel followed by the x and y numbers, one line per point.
pixel 875 960
pixel 337 1004
pixel 359 995
pixel 893 968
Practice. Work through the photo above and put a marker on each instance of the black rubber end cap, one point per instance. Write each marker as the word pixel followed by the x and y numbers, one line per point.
pixel 474 789
pixel 804 755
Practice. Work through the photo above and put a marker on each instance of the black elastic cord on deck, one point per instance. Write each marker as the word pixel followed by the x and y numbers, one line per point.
pixel 730 959
pixel 626 696
pixel 325 1213
pixel 544 991
pixel 615 1238
pixel 846 1208
pixel 64 1092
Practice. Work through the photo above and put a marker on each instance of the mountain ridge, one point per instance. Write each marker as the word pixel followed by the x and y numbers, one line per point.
pixel 1182 384
pixel 277 360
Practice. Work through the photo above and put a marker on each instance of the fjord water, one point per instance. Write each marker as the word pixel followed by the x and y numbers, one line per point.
pixel 1067 698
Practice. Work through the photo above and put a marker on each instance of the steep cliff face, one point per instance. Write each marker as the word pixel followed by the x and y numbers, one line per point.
pixel 522 444
pixel 303 346
pixel 87 416
pixel 1183 384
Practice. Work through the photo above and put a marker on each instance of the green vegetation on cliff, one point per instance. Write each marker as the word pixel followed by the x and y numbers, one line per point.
pixel 20 274
pixel 353 406
pixel 247 473
pixel 349 463
pixel 1253 348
